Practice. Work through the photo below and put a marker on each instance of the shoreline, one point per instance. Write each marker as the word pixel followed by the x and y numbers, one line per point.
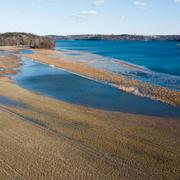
pixel 135 87
pixel 104 82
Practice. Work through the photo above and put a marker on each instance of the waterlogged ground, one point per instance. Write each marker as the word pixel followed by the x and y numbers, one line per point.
pixel 122 82
pixel 72 88
pixel 9 102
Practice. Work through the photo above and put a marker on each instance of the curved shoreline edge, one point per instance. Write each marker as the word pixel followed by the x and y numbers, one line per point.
pixel 135 87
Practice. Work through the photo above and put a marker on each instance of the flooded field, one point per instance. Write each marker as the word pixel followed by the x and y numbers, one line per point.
pixel 72 88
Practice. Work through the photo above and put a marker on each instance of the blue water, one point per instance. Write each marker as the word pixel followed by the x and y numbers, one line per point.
pixel 26 51
pixel 161 57
pixel 71 88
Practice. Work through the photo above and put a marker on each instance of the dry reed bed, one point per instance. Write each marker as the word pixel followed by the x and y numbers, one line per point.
pixel 9 64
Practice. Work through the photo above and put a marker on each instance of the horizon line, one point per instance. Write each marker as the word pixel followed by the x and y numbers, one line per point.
pixel 112 34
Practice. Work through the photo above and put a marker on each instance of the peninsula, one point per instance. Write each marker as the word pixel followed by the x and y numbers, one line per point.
pixel 25 40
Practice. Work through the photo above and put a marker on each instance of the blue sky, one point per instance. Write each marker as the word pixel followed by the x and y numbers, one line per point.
pixel 90 16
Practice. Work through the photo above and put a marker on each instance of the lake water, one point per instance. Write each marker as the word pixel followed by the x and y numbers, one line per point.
pixel 157 56
pixel 71 88
pixel 155 62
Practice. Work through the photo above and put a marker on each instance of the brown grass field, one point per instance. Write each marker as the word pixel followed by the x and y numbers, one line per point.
pixel 49 139
pixel 44 139
pixel 9 65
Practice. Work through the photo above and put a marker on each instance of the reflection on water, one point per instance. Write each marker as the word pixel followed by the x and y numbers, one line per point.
pixel 71 88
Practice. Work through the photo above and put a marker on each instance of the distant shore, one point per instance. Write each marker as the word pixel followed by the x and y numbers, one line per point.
pixel 121 37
